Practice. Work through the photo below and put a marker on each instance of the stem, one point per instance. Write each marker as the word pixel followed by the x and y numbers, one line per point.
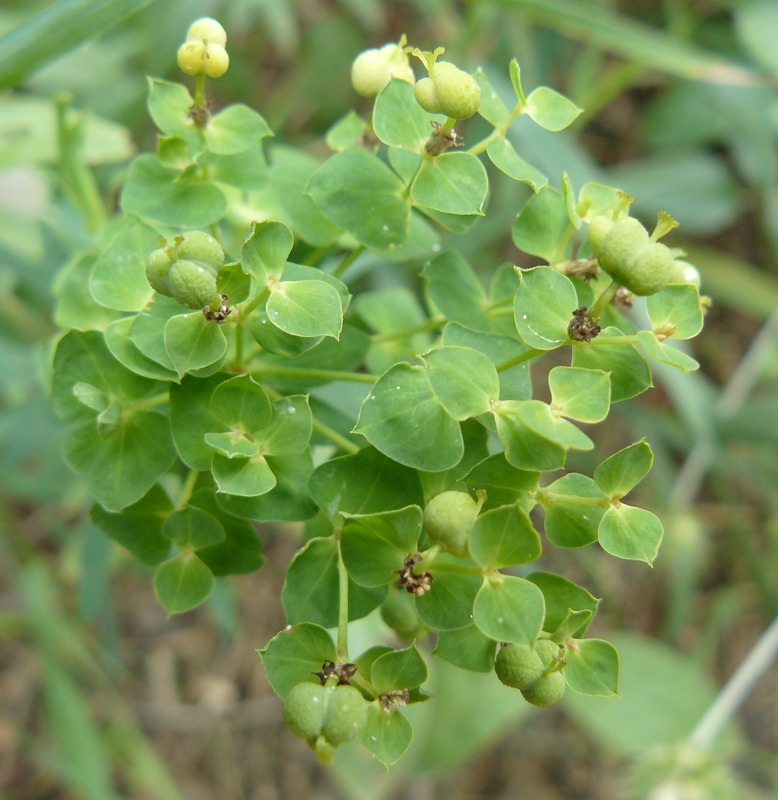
pixel 278 371
pixel 499 130
pixel 348 261
pixel 199 98
pixel 329 433
pixel 429 325
pixel 252 304
pixel 238 345
pixel 551 498
pixel 187 488
pixel 461 569
pixel 614 340
pixel 427 558
pixel 603 300
pixel 342 645
pixel 737 688
pixel 150 402
pixel 519 359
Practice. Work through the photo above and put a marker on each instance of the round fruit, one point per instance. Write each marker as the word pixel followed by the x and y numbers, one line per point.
pixel 346 715
pixel 190 57
pixel 518 665
pixel 368 72
pixel 193 285
pixel 448 518
pixel 545 691
pixel 207 29
pixel 651 270
pixel 684 272
pixel 458 93
pixel 598 228
pixel 158 271
pixel 620 245
pixel 203 248
pixel 397 62
pixel 216 61
pixel 305 708
pixel 399 613
pixel 547 651
pixel 426 97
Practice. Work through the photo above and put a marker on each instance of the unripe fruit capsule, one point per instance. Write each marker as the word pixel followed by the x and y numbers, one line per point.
pixel 216 61
pixel 346 715
pixel 207 29
pixel 191 56
pixel 426 97
pixel 305 709
pixel 458 93
pixel 193 285
pixel 203 248
pixel 374 68
pixel 547 651
pixel 518 665
pixel 545 691
pixel 448 518
pixel 158 270
pixel 398 611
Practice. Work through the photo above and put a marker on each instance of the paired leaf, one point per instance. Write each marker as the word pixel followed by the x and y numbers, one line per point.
pixel 509 610
pixel 503 537
pixel 455 183
pixel 543 307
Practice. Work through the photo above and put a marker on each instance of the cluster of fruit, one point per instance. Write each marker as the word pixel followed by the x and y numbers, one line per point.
pixel 186 270
pixel 204 49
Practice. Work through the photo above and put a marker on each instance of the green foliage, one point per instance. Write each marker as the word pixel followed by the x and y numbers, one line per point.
pixel 188 426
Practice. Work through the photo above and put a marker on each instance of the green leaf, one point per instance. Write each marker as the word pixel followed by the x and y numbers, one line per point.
pixel 491 108
pixel 623 471
pixel 449 602
pixel 375 545
pixel 232 444
pixel 306 308
pixel 241 404
pixel 291 656
pixel 247 170
pixel 541 224
pixel 453 182
pixel 676 311
pixel 164 196
pixel 169 105
pixel 665 353
pixel 290 430
pixel 240 552
pixel 246 477
pixel 502 482
pixel 629 371
pixel 138 528
pixel 524 448
pixel 82 357
pixel 549 109
pixel 265 250
pixel 233 282
pixel 397 670
pixel 398 120
pixel 118 279
pixel 182 583
pixel 562 596
pixel 514 382
pixel 503 537
pixel 76 307
pixel 515 74
pixel 117 337
pixel 631 533
pixel 540 418
pixel 173 152
pixel 235 129
pixel 543 307
pixel 571 203
pixel 403 419
pixel 120 464
pixel 147 330
pixel 592 667
pixel 310 592
pixel 91 396
pixel 193 342
pixel 568 524
pixel 504 156
pixel 595 199
pixel 386 736
pixel 463 380
pixel 580 394
pixel 193 528
pixel 454 288
pixel 354 180
pixel 467 648
pixel 274 340
pixel 509 610
pixel 346 131
pixel 191 417
pixel 364 483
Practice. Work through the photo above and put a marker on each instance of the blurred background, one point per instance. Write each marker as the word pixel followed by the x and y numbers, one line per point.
pixel 102 697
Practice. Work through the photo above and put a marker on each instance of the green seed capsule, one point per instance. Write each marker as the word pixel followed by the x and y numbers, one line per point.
pixel 207 29
pixel 305 709
pixel 202 248
pixel 547 651
pixel 426 97
pixel 346 715
pixel 193 285
pixel 158 270
pixel 399 613
pixel 518 665
pixel 215 60
pixel 448 518
pixel 191 56
pixel 458 93
pixel 545 691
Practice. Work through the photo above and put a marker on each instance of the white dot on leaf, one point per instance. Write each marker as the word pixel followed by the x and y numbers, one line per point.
pixel 524 316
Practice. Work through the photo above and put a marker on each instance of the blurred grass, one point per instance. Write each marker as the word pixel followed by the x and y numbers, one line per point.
pixel 681 109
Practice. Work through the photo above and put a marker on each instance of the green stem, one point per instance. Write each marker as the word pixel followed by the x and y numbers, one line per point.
pixel 427 558
pixel 199 98
pixel 519 359
pixel 151 402
pixel 429 325
pixel 348 261
pixel 460 569
pixel 632 339
pixel 329 433
pixel 187 488
pixel 499 131
pixel 278 371
pixel 552 498
pixel 239 345
pixel 602 301
pixel 342 645
pixel 508 298
pixel 252 304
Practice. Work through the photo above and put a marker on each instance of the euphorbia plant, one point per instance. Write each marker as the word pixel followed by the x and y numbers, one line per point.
pixel 215 341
